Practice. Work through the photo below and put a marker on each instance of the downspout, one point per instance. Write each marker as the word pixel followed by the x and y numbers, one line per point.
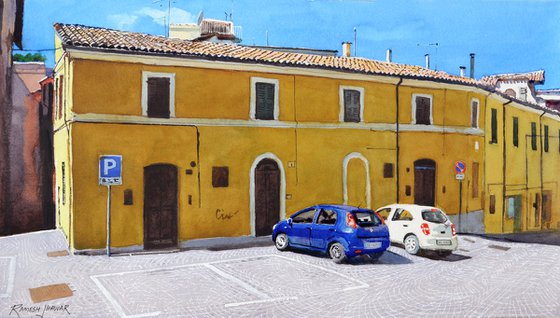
pixel 504 163
pixel 397 166
pixel 541 170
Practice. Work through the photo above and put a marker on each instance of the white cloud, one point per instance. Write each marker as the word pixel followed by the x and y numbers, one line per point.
pixel 177 15
pixel 123 21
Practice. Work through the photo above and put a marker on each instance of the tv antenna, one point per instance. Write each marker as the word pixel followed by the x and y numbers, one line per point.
pixel 436 45
pixel 168 17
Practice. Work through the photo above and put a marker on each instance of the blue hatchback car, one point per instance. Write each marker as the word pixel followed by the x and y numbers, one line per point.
pixel 342 231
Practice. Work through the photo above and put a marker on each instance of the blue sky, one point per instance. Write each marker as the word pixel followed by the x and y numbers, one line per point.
pixel 507 36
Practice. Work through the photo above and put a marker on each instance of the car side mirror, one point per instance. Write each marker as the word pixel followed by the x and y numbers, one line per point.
pixel 290 221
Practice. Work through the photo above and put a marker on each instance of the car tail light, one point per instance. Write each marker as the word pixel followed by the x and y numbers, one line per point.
pixel 379 216
pixel 453 231
pixel 351 221
pixel 425 228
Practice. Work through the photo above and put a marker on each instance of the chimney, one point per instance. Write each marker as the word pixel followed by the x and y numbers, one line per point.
pixel 462 70
pixel 346 49
pixel 427 56
pixel 472 65
pixel 389 55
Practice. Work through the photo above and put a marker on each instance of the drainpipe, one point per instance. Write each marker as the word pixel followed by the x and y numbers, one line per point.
pixel 541 169
pixel 397 169
pixel 504 163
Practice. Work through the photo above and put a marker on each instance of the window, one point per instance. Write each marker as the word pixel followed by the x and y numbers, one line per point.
pixel 494 126
pixel 513 206
pixel 492 204
pixel 434 216
pixel 351 104
pixel 304 217
pixel 523 93
pixel 475 179
pixel 127 195
pixel 510 92
pixel 384 213
pixel 474 113
pixel 63 183
pixel 158 95
pixel 327 217
pixel 534 136
pixel 402 215
pixel 264 98
pixel 387 170
pixel 422 109
pixel 545 138
pixel 220 177
pixel 536 206
pixel 60 100
pixel 515 132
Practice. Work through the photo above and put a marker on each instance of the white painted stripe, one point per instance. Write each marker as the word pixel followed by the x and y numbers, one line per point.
pixel 107 295
pixel 238 281
pixel 259 301
pixel 150 314
pixel 362 284
pixel 11 276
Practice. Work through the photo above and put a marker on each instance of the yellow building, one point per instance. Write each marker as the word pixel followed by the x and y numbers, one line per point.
pixel 220 140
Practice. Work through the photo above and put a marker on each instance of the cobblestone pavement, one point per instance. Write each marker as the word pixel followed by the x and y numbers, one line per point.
pixel 484 278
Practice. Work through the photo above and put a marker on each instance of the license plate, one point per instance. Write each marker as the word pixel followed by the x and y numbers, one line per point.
pixel 443 242
pixel 372 245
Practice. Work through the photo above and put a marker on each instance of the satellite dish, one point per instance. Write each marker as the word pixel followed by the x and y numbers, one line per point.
pixel 200 17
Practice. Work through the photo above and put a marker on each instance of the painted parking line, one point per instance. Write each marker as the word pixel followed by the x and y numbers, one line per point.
pixel 255 289
pixel 8 264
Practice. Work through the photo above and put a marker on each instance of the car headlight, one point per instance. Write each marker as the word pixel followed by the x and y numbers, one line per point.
pixel 274 226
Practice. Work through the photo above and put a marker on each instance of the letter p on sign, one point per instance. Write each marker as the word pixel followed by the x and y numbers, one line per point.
pixel 110 170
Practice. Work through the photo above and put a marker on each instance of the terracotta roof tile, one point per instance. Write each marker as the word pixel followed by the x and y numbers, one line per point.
pixel 492 80
pixel 79 36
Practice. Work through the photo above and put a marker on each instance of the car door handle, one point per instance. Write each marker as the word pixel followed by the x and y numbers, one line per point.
pixel 405 225
pixel 331 230
pixel 308 227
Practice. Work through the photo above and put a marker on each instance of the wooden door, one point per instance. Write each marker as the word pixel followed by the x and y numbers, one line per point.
pixel 160 206
pixel 424 182
pixel 267 196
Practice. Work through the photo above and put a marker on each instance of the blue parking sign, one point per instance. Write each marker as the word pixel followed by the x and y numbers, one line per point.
pixel 110 170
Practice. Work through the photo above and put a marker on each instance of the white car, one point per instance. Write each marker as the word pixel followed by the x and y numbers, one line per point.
pixel 420 228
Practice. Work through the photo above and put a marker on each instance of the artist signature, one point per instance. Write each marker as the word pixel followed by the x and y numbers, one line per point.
pixel 21 310
pixel 223 215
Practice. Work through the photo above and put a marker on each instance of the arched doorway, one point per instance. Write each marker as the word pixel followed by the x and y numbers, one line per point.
pixel 267 178
pixel 160 206
pixel 356 183
pixel 425 182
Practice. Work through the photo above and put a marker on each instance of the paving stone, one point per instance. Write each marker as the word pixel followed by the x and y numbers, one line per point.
pixel 478 281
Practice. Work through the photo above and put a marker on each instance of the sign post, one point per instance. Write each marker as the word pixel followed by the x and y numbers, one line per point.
pixel 110 173
pixel 460 169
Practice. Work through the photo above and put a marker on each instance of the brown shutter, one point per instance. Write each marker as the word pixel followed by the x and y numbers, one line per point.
pixel 158 97
pixel 492 204
pixel 351 105
pixel 422 111
pixel 60 95
pixel 265 101
pixel 474 114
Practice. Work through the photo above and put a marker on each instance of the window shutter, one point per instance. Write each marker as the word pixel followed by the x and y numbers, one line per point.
pixel 534 136
pixel 351 106
pixel 492 204
pixel 515 131
pixel 546 138
pixel 474 114
pixel 158 97
pixel 494 124
pixel 60 96
pixel 422 111
pixel 265 101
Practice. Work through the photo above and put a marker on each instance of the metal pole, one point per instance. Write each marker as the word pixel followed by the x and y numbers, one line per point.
pixel 109 221
pixel 460 202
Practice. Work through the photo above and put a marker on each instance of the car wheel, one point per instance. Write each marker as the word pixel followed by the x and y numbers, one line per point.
pixel 281 242
pixel 411 244
pixel 336 252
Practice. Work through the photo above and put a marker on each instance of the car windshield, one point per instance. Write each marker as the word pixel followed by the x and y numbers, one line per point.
pixel 434 216
pixel 366 218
